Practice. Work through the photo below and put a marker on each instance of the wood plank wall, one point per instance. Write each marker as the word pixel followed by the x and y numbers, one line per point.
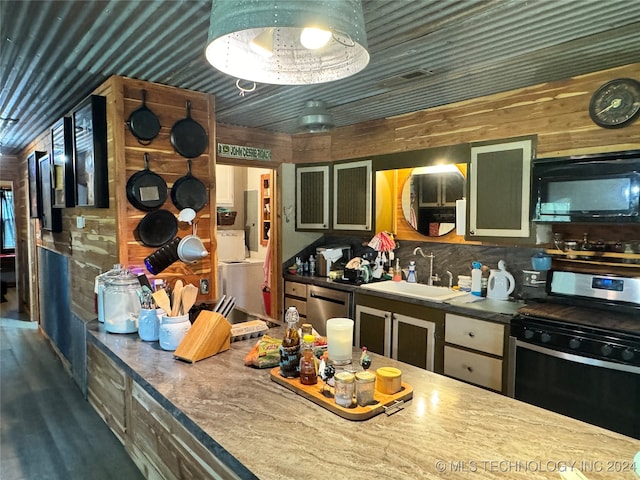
pixel 169 104
pixel 556 111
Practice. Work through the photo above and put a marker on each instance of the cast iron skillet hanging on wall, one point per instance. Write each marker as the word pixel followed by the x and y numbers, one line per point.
pixel 188 137
pixel 143 123
pixel 146 190
pixel 189 192
pixel 157 228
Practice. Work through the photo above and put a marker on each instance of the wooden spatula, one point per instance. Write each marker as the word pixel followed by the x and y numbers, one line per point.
pixel 189 295
pixel 162 300
pixel 176 298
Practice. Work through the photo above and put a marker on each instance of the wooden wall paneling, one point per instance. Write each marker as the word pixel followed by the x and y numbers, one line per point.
pixel 169 104
pixel 278 143
pixel 556 111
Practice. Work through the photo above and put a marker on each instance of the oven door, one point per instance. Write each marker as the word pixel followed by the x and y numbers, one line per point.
pixel 598 392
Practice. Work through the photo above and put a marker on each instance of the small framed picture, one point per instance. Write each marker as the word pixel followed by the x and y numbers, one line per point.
pixel 63 177
pixel 90 153
pixel 33 171
pixel 51 218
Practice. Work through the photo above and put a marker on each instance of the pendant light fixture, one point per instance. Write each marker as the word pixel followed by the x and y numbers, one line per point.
pixel 287 42
pixel 315 117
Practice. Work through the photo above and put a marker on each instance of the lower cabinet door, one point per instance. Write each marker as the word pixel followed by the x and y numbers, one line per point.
pixel 473 368
pixel 373 330
pixel 413 341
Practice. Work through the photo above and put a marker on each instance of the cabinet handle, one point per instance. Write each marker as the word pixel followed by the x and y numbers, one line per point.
pixel 468 368
pixel 471 334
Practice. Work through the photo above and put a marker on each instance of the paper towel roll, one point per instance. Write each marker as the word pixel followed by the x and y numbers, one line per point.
pixel 461 217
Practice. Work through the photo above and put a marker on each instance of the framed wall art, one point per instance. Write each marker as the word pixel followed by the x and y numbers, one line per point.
pixel 90 153
pixel 63 177
pixel 51 218
pixel 33 171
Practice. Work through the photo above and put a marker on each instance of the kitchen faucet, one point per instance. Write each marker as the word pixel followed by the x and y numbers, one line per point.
pixel 431 257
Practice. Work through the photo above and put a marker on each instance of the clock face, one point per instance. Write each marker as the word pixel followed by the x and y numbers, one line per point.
pixel 616 103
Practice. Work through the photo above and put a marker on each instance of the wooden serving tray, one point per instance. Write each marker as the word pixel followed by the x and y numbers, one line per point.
pixel 314 393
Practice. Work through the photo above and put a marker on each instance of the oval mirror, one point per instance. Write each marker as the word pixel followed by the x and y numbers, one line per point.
pixel 429 198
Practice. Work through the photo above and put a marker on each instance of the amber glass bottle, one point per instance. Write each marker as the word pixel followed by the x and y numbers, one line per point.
pixel 308 371
pixel 290 348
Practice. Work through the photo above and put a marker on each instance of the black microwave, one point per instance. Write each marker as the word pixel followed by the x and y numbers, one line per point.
pixel 590 188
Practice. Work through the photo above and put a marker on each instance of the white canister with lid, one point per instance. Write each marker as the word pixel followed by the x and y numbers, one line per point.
pixel 173 331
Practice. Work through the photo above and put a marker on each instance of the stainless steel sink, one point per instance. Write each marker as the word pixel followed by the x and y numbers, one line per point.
pixel 414 290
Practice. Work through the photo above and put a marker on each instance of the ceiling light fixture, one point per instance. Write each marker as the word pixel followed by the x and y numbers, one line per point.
pixel 315 117
pixel 276 29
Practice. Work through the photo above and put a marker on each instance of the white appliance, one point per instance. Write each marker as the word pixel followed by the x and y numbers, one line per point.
pixel 238 276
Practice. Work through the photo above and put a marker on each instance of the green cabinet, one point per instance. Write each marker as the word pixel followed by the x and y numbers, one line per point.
pixel 499 189
pixel 407 332
pixel 352 197
pixel 348 191
pixel 312 197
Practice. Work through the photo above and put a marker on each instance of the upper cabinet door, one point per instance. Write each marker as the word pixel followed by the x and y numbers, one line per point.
pixel 499 189
pixel 352 196
pixel 312 197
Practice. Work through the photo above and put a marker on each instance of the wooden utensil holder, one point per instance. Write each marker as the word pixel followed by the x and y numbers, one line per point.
pixel 210 334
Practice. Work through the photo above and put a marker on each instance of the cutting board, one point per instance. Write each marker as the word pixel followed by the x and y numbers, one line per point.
pixel 356 413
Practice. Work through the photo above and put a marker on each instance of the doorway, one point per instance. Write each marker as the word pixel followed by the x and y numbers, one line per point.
pixel 8 292
pixel 248 194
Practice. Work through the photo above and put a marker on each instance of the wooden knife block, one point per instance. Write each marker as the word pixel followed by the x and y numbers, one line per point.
pixel 209 334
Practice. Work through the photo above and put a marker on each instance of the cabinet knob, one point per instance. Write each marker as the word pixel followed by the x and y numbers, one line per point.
pixel 468 368
pixel 471 334
pixel 472 232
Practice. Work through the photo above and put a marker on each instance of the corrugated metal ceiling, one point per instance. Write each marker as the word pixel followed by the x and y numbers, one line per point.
pixel 54 53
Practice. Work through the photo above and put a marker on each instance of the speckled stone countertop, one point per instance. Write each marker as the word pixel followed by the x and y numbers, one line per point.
pixel 487 309
pixel 448 430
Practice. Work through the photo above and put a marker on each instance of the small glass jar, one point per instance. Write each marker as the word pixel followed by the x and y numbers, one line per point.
pixel 365 388
pixel 122 303
pixel 345 388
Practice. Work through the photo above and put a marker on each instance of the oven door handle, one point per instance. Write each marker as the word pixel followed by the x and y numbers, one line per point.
pixel 578 359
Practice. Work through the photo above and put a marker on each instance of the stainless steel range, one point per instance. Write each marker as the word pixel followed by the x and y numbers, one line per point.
pixel 578 351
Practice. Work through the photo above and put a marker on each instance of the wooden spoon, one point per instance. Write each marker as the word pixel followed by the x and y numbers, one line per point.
pixel 189 295
pixel 162 300
pixel 176 297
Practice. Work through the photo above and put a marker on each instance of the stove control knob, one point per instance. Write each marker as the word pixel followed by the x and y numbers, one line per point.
pixel 574 343
pixel 627 354
pixel 528 334
pixel 606 350
pixel 545 337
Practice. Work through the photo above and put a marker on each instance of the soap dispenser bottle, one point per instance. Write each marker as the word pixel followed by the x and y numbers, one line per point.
pixel 397 272
pixel 411 276
pixel 476 279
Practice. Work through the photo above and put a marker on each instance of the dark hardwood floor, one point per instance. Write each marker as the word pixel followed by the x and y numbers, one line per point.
pixel 48 431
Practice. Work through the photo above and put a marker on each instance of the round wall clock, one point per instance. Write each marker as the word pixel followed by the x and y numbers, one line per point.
pixel 616 103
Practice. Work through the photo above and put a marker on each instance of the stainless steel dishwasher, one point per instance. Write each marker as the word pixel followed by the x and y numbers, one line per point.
pixel 324 303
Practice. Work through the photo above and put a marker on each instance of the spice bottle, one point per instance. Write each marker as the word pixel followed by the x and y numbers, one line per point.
pixel 345 388
pixel 308 371
pixel 290 348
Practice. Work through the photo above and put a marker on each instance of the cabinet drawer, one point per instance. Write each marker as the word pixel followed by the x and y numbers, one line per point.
pixel 476 334
pixel 295 289
pixel 301 305
pixel 473 368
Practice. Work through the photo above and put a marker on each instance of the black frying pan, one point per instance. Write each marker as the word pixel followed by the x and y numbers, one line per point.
pixel 157 228
pixel 188 137
pixel 143 123
pixel 189 192
pixel 146 190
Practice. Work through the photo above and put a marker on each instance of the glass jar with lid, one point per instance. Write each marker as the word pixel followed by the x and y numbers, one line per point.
pixel 122 303
pixel 345 388
pixel 100 283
